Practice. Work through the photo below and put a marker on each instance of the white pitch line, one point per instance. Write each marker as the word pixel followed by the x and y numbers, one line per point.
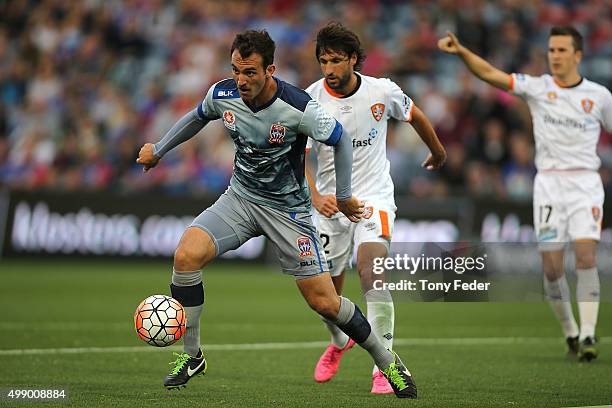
pixel 464 341
pixel 594 406
pixel 64 326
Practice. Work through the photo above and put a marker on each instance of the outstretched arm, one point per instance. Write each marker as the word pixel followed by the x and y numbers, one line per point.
pixel 421 124
pixel 479 67
pixel 186 128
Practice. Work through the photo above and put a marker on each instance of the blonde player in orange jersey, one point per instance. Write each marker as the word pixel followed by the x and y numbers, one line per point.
pixel 567 112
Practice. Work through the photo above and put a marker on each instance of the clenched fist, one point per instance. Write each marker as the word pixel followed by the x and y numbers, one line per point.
pixel 434 160
pixel 146 157
pixel 352 208
pixel 325 204
pixel 449 44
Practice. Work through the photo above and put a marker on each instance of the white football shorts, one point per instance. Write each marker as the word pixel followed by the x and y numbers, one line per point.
pixel 567 206
pixel 340 236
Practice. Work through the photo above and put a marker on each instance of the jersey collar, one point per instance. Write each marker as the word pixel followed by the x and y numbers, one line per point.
pixel 340 96
pixel 279 91
pixel 568 86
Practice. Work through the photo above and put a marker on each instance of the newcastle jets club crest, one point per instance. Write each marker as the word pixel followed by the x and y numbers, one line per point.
pixel 277 133
pixel 303 244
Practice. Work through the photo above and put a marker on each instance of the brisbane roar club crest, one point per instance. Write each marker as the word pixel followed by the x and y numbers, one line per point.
pixel 378 109
pixel 229 120
pixel 305 247
pixel 587 105
pixel 596 211
pixel 277 133
pixel 367 213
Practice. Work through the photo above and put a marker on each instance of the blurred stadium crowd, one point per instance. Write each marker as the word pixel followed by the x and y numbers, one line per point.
pixel 83 84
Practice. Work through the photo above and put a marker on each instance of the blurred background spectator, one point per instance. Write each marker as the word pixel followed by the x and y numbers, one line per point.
pixel 83 84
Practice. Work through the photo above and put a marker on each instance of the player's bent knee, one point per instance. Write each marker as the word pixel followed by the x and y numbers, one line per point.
pixel 368 252
pixel 194 251
pixel 185 260
pixel 586 261
pixel 552 264
pixel 586 254
pixel 326 307
pixel 553 272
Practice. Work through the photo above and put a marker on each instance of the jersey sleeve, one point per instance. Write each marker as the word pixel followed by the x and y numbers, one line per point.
pixel 400 105
pixel 188 126
pixel 309 90
pixel 524 85
pixel 318 124
pixel 206 109
pixel 606 111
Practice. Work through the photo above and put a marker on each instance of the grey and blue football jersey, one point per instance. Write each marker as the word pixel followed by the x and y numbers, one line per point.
pixel 270 142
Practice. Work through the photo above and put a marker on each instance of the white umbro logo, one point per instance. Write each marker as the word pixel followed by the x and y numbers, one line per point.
pixel 191 372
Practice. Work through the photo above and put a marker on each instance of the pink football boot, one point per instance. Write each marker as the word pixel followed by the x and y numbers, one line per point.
pixel 330 360
pixel 380 385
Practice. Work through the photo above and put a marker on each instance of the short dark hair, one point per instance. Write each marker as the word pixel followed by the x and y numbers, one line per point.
pixel 253 41
pixel 571 31
pixel 335 37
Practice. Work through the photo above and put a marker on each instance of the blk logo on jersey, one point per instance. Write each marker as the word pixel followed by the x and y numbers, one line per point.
pixel 229 120
pixel 277 133
pixel 552 95
pixel 304 246
pixel 587 105
pixel 378 109
pixel 367 212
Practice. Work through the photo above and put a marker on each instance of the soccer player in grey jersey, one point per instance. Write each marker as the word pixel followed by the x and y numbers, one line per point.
pixel 269 121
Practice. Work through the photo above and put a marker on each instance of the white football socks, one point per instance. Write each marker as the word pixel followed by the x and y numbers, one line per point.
pixel 381 315
pixel 587 295
pixel 338 337
pixel 558 295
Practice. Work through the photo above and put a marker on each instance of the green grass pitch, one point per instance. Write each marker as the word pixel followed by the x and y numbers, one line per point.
pixel 461 354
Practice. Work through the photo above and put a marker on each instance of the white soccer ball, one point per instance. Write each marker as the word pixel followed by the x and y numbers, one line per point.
pixel 159 320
